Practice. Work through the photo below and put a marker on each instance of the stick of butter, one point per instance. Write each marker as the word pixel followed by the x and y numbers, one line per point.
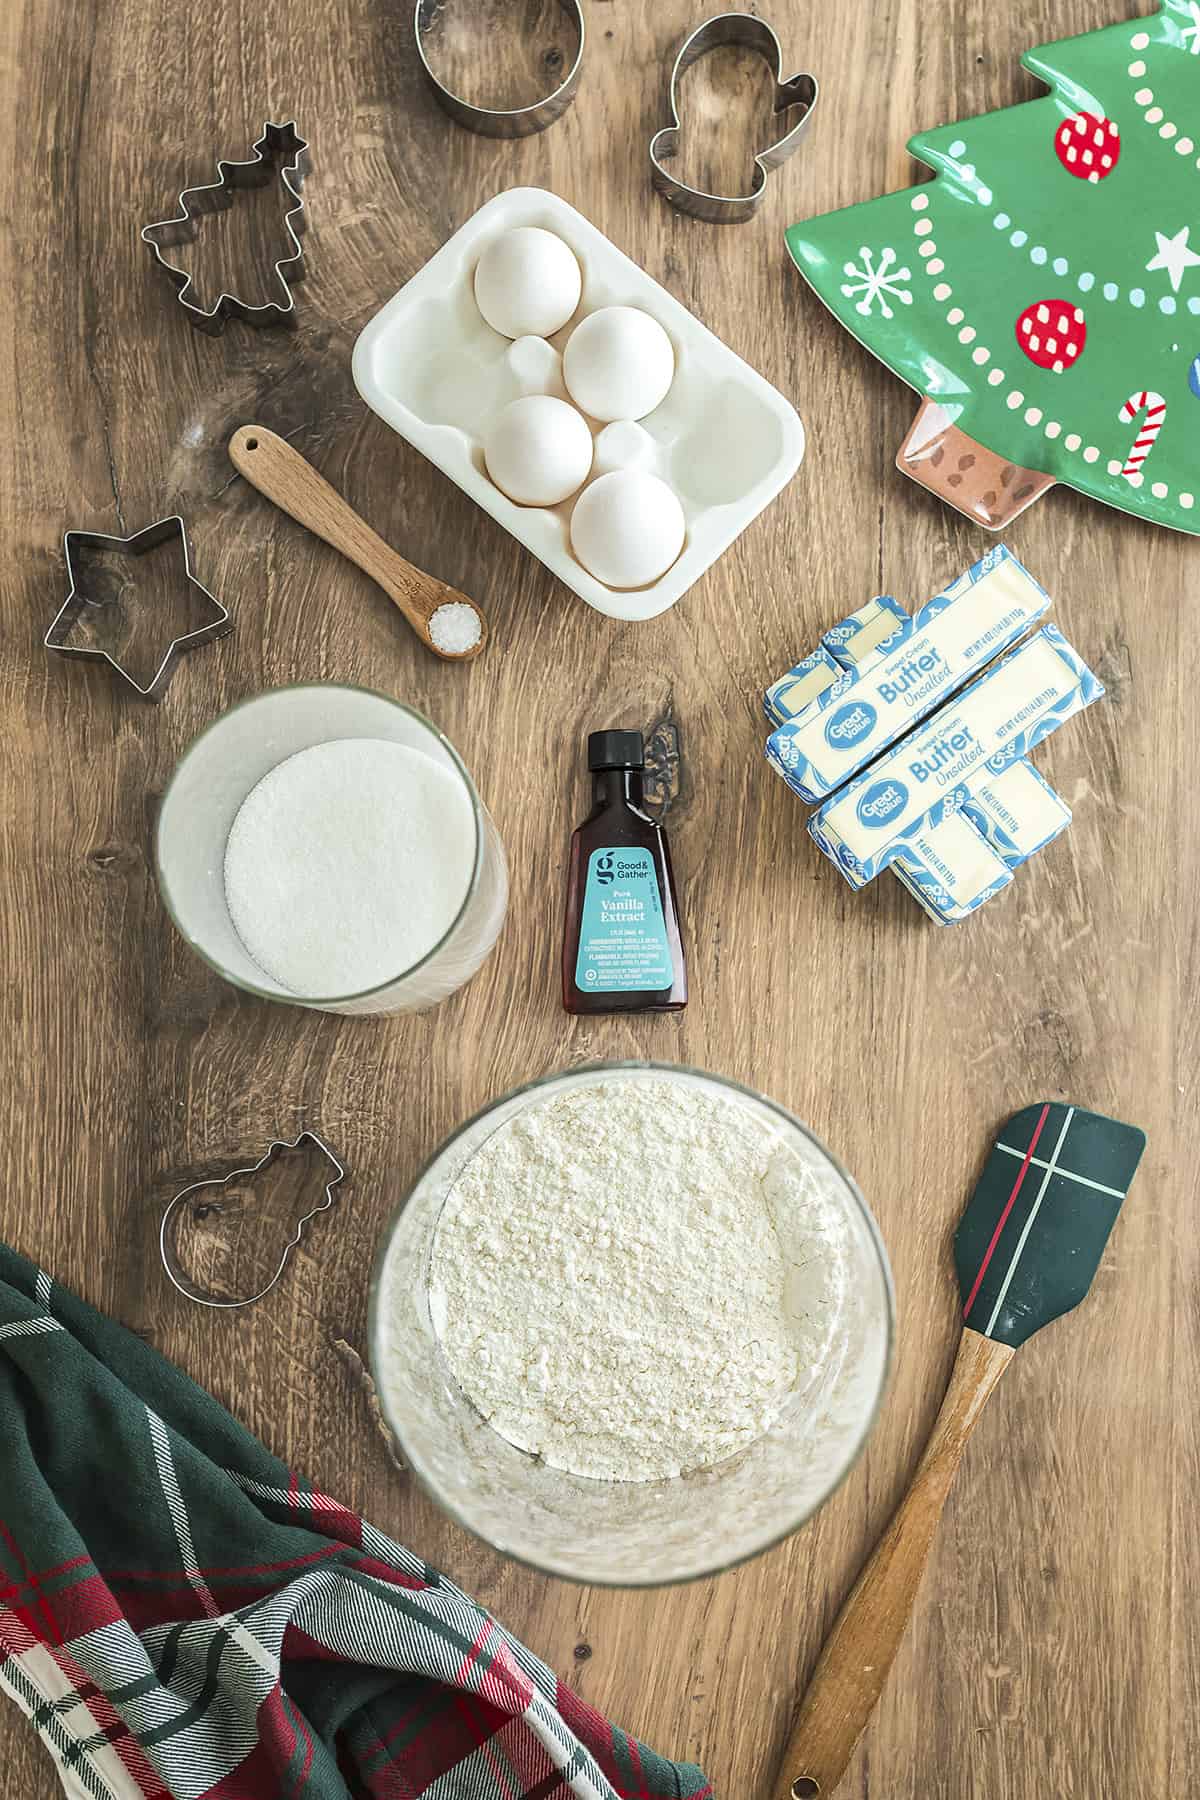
pixel 957 754
pixel 859 641
pixel 846 722
pixel 957 865
pixel 850 647
pixel 793 692
pixel 950 869
pixel 1018 812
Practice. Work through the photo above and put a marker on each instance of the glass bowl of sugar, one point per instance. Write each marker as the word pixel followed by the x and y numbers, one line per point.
pixel 325 845
pixel 632 1324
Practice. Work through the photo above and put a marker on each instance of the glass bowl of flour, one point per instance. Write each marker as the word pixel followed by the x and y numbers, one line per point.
pixel 632 1324
pixel 325 845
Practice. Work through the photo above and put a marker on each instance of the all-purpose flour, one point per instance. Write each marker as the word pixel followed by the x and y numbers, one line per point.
pixel 633 1278
pixel 347 863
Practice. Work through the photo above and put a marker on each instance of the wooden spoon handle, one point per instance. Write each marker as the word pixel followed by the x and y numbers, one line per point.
pixel 282 474
pixel 858 1653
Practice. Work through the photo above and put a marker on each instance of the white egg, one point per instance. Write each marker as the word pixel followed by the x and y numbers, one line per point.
pixel 538 450
pixel 618 363
pixel 627 528
pixel 527 283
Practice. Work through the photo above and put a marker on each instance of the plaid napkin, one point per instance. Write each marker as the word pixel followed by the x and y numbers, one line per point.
pixel 180 1614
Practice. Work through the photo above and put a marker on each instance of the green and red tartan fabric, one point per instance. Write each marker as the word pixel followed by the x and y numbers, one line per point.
pixel 182 1615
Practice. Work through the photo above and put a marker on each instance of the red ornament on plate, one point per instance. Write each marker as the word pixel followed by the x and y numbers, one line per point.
pixel 1088 147
pixel 1052 333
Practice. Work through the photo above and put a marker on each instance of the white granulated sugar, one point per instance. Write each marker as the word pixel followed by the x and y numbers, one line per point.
pixel 347 863
pixel 455 628
pixel 631 1279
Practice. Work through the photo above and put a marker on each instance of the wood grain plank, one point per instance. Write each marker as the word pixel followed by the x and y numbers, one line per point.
pixel 1055 1642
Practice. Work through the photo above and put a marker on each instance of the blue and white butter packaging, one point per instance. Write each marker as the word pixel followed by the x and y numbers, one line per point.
pixel 1018 812
pixel 846 651
pixel 948 802
pixel 934 772
pixel 954 867
pixel 911 670
pixel 796 690
pixel 865 637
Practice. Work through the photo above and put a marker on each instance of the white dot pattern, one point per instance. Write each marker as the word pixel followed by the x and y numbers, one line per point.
pixel 1143 98
pixel 1057 323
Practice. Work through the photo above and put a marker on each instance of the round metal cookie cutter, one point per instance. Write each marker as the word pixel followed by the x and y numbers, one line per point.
pixel 748 33
pixel 499 122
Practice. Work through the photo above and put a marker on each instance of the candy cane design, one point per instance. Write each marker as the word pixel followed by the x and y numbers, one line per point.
pixel 1155 409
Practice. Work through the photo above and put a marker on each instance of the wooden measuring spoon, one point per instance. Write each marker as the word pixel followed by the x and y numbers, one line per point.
pixel 1026 1249
pixel 282 474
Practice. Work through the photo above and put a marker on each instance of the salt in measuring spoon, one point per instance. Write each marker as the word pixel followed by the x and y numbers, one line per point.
pixel 271 465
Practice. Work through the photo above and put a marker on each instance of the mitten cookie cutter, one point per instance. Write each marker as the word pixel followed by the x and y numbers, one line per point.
pixel 166 1246
pixel 279 151
pixel 65 619
pixel 748 33
pixel 502 122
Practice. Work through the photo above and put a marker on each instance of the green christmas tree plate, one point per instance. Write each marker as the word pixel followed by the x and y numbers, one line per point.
pixel 1042 293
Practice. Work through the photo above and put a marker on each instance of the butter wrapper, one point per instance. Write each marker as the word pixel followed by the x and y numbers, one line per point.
pixel 952 759
pixel 859 641
pixel 794 692
pixel 846 651
pixel 894 679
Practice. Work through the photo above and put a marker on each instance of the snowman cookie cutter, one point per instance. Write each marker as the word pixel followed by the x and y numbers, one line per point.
pixel 747 33
pixel 178 1276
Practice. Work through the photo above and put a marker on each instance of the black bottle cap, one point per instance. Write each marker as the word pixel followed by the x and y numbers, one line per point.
pixel 616 750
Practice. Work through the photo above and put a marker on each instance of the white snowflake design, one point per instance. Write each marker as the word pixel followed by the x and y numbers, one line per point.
pixel 1192 31
pixel 876 281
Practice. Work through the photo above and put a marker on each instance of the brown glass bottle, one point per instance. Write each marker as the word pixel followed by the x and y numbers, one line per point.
pixel 621 946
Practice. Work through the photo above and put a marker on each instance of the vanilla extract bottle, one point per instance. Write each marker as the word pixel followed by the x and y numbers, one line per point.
pixel 622 950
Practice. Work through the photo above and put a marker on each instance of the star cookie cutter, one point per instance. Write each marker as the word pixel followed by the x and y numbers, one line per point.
pixel 308 1140
pixel 280 151
pixel 67 617
pixel 748 33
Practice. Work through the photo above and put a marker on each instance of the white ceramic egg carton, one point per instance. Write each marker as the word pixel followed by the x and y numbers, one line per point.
pixel 724 439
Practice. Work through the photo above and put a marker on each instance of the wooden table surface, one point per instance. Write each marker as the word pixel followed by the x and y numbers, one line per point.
pixel 1054 1648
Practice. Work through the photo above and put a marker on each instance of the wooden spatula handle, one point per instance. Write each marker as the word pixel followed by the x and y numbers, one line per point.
pixel 271 465
pixel 854 1663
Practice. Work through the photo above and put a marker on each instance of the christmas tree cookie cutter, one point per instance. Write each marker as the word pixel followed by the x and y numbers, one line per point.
pixel 177 1275
pixel 279 153
pixel 75 546
pixel 494 121
pixel 748 33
